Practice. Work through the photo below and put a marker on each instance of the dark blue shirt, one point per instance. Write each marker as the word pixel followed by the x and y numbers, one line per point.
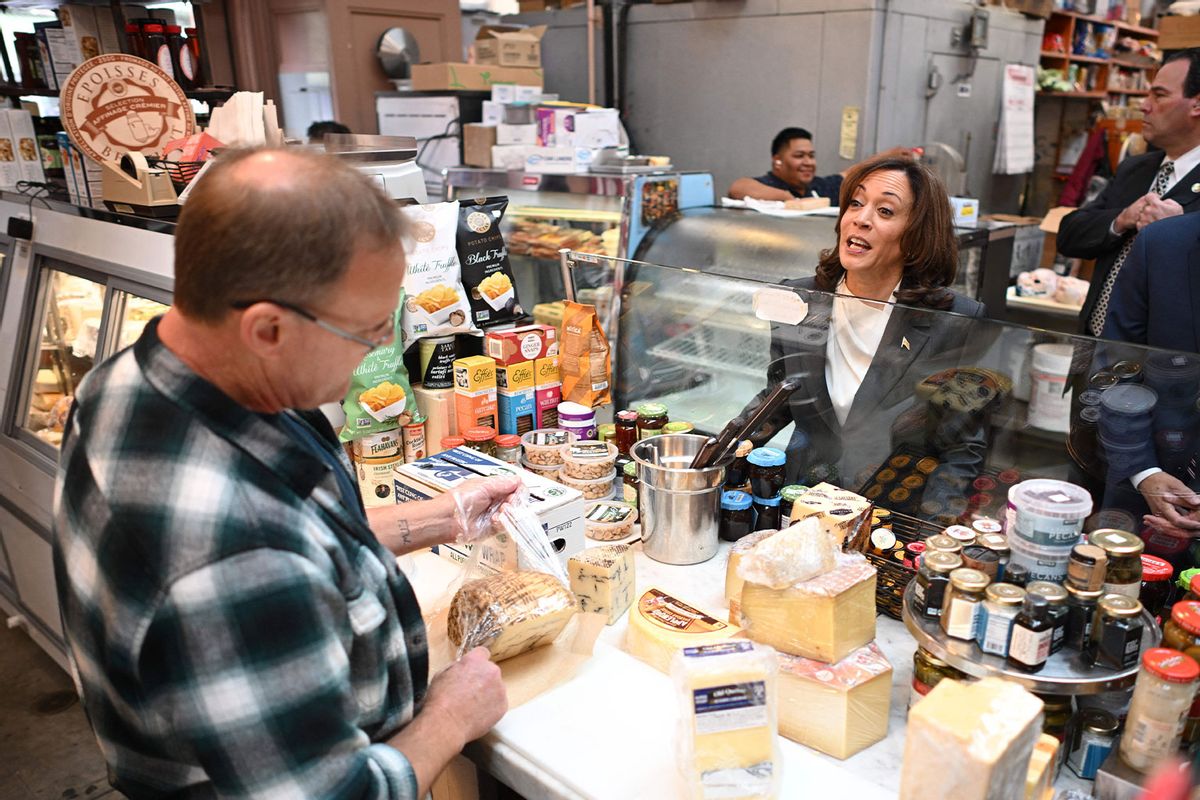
pixel 822 186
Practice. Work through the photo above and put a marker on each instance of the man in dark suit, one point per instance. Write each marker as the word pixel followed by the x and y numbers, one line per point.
pixel 1159 184
pixel 1156 302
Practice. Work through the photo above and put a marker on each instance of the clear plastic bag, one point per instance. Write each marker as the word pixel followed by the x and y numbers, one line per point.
pixel 799 553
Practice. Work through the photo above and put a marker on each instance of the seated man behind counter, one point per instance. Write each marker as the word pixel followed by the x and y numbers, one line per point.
pixel 794 171
pixel 237 623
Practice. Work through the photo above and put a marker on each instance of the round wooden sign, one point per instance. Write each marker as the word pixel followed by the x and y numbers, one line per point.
pixel 116 104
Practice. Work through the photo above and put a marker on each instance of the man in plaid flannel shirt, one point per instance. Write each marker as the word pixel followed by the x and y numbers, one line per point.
pixel 237 627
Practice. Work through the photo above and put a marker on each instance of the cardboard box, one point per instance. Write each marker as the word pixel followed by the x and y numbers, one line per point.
pixel 474 392
pixel 515 400
pixel 516 134
pixel 24 139
pixel 455 76
pixel 547 392
pixel 80 23
pixel 1178 33
pixel 511 156
pixel 1034 8
pixel 599 127
pixel 545 373
pixel 62 55
pixel 509 46
pixel 10 169
pixel 525 343
pixel 556 126
pixel 966 211
pixel 478 141
pixel 560 160
pixel 493 112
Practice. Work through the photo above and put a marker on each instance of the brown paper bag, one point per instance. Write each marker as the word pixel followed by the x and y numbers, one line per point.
pixel 584 361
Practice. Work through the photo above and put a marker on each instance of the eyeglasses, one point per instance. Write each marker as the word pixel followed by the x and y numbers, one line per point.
pixel 387 328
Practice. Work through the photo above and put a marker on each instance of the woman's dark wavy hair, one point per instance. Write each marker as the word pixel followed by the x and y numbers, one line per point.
pixel 928 245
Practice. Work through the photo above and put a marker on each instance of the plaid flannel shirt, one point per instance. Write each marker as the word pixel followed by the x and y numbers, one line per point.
pixel 236 630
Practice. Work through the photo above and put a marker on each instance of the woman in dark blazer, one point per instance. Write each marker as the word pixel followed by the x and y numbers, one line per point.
pixel 880 320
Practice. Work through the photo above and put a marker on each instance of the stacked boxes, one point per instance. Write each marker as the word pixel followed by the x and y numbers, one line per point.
pixel 515 397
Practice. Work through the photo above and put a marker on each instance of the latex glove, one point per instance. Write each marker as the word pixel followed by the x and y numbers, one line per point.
pixel 1167 496
pixel 476 503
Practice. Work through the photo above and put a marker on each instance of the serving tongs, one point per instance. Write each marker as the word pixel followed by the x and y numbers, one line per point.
pixel 741 426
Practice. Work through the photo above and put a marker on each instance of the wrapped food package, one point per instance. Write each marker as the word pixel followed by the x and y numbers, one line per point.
pixel 799 553
pixel 487 275
pixel 602 579
pixel 660 624
pixel 510 613
pixel 379 398
pixel 437 303
pixel 733 581
pixel 841 513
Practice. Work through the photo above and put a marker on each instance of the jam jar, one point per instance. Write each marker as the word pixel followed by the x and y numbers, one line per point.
pixel 766 471
pixel 1116 639
pixel 737 518
pixel 626 431
pixel 482 439
pixel 929 588
pixel 737 474
pixel 1156 584
pixel 651 418
pixel 766 513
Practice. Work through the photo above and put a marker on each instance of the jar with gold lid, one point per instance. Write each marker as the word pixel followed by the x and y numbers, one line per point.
pixel 964 602
pixel 944 544
pixel 1124 552
pixel 1116 638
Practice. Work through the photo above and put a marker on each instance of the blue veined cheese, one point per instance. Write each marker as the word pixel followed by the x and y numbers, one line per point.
pixel 602 579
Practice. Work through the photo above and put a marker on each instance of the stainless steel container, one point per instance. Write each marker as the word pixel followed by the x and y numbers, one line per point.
pixel 678 507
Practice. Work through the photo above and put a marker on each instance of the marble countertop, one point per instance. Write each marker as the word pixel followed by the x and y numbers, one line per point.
pixel 610 732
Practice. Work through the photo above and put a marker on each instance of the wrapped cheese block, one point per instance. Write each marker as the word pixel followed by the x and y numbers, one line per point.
pixel 1039 781
pixel 733 581
pixel 839 708
pixel 841 513
pixel 660 624
pixel 510 613
pixel 822 619
pixel 799 553
pixel 970 741
pixel 727 698
pixel 602 579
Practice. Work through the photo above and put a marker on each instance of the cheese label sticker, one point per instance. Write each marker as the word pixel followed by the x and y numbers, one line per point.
pixel 722 649
pixel 589 450
pixel 730 707
pixel 609 513
pixel 667 612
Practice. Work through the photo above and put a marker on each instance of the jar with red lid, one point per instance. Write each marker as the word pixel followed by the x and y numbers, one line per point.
pixel 175 46
pixel 157 50
pixel 1162 697
pixel 1182 632
pixel 1156 584
pixel 193 59
pixel 482 438
pixel 627 431
pixel 508 448
pixel 1165 546
pixel 451 442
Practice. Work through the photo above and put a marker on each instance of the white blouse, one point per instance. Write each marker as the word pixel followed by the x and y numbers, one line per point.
pixel 856 328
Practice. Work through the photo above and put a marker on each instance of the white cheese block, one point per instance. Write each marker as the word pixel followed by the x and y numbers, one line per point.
pixel 841 513
pixel 510 613
pixel 1039 781
pixel 970 741
pixel 727 703
pixel 839 708
pixel 733 581
pixel 822 619
pixel 602 579
pixel 660 624
pixel 799 553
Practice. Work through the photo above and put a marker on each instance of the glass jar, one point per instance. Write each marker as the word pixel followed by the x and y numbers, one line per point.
pixel 944 544
pixel 789 494
pixel 1124 551
pixel 1081 614
pixel 29 59
pixel 508 448
pixel 1002 602
pixel 961 534
pixel 193 46
pixel 1116 638
pixel 963 603
pixel 737 518
pixel 883 540
pixel 1032 630
pixel 157 51
pixel 1057 711
pixel 998 544
pixel 482 439
pixel 986 525
pixel 1156 584
pixel 987 561
pixel 929 588
pixel 1087 567
pixel 175 45
pixel 737 474
pixel 928 672
pixel 1182 632
pixel 766 513
pixel 607 433
pixel 1127 371
pixel 678 427
pixel 651 417
pixel 914 554
pixel 1016 574
pixel 451 442
pixel 627 431
pixel 1056 596
pixel 1188 583
pixel 766 471
pixel 1093 734
pixel 1166 685
pixel 630 484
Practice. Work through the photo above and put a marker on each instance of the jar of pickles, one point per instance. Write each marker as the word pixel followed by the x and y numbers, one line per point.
pixel 508 448
pixel 482 439
pixel 1165 688
pixel 626 431
pixel 928 672
pixel 1124 551
pixel 1182 632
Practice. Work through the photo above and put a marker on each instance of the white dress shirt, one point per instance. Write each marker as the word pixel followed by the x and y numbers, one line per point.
pixel 855 330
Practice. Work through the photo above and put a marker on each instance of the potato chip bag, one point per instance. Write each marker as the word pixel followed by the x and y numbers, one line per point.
pixel 437 305
pixel 380 397
pixel 486 272
pixel 584 362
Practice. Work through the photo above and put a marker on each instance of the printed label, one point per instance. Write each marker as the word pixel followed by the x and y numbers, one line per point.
pixel 722 649
pixel 732 707
pixel 962 619
pixel 664 610
pixel 1153 739
pixel 598 450
pixel 609 514
pixel 1029 647
pixel 548 438
pixel 995 634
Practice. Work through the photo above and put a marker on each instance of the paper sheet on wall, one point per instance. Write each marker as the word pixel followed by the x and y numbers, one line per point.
pixel 1014 141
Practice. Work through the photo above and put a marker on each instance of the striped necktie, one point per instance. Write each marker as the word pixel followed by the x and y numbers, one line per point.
pixel 1096 321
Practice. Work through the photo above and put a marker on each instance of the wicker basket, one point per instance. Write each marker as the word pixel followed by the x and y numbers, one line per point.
pixel 180 172
pixel 893 575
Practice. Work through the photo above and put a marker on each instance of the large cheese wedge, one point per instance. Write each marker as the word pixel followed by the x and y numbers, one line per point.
pixel 510 613
pixel 822 619
pixel 841 513
pixel 733 581
pixel 1039 781
pixel 839 708
pixel 660 624
pixel 970 741
pixel 727 705
pixel 800 553
pixel 602 579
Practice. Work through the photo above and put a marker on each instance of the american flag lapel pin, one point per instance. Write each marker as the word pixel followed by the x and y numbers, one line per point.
pixel 904 343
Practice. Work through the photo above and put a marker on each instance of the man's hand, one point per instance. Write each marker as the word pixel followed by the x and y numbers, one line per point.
pixel 468 695
pixel 475 505
pixel 1167 496
pixel 1155 208
pixel 1127 220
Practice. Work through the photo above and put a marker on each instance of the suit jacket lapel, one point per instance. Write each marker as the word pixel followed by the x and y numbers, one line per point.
pixel 1182 191
pixel 1193 268
pixel 813 337
pixel 892 361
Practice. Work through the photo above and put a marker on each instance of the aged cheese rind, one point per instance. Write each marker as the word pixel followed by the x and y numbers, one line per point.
pixel 799 553
pixel 602 579
pixel 1039 781
pixel 510 613
pixel 839 708
pixel 823 619
pixel 728 705
pixel 660 624
pixel 733 581
pixel 970 741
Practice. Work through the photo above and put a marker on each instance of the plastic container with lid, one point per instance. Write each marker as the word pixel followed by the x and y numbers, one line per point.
pixel 606 520
pixel 1047 513
pixel 1126 414
pixel 586 461
pixel 1165 688
pixel 737 516
pixel 548 471
pixel 1049 398
pixel 1124 551
pixel 543 447
pixel 592 489
pixel 481 438
pixel 1156 584
pixel 630 484
pixel 651 418
pixel 508 448
pixel 1039 563
pixel 577 418
pixel 1164 545
pixel 1174 376
pixel 766 471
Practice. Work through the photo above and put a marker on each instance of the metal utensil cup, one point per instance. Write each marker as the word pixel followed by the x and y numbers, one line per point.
pixel 679 507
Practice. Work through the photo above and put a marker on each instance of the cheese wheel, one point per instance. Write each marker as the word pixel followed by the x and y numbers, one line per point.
pixel 510 613
pixel 660 624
